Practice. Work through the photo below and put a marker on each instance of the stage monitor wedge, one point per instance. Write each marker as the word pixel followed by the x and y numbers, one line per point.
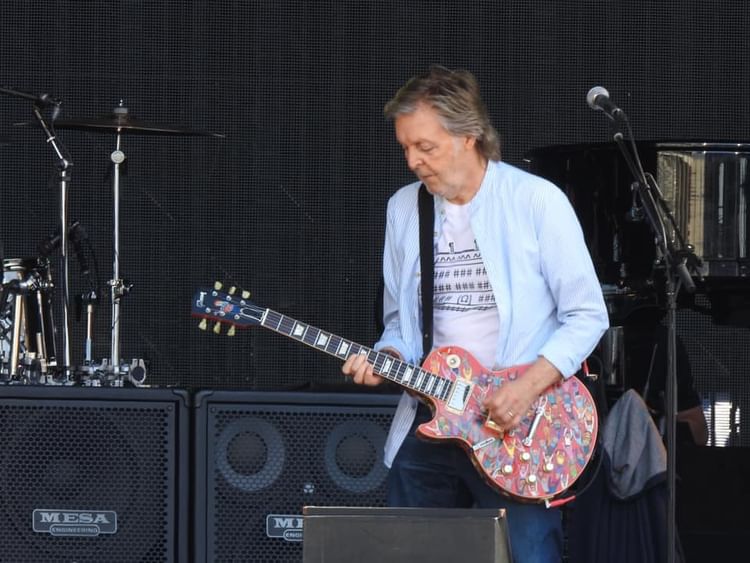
pixel 405 535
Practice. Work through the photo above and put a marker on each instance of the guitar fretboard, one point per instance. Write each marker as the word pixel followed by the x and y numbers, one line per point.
pixel 385 365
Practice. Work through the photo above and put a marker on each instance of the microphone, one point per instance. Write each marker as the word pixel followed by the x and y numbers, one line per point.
pixel 49 244
pixel 43 100
pixel 78 235
pixel 598 98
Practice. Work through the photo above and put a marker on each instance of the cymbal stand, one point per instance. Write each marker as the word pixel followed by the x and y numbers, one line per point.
pixel 117 285
pixel 64 165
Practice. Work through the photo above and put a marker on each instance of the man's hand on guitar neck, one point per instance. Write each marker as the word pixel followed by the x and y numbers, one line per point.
pixel 361 371
pixel 508 404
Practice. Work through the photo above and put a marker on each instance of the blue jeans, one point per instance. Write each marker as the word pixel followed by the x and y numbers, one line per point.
pixel 441 475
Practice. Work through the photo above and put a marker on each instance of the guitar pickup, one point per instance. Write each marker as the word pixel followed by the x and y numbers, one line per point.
pixel 459 395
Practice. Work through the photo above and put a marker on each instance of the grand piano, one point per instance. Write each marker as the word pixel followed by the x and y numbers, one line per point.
pixel 705 185
pixel 707 188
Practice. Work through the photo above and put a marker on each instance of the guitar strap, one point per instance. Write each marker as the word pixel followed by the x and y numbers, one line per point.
pixel 595 386
pixel 427 262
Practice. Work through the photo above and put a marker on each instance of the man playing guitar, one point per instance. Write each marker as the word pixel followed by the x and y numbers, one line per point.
pixel 513 285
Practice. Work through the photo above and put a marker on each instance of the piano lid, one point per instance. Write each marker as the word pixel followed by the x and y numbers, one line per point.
pixel 686 145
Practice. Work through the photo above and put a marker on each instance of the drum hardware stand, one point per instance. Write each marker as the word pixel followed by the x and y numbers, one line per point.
pixel 102 374
pixel 93 374
pixel 34 367
pixel 15 347
pixel 113 371
pixel 117 287
pixel 63 166
pixel 681 264
pixel 88 299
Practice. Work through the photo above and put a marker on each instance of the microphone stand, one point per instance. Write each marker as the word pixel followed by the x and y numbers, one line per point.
pixel 63 166
pixel 678 263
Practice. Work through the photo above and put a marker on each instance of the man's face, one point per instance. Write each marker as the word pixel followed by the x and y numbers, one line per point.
pixel 443 162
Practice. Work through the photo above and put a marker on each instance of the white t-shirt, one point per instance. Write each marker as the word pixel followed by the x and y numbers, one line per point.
pixel 465 312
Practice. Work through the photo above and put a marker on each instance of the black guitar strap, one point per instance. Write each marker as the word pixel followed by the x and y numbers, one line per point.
pixel 427 262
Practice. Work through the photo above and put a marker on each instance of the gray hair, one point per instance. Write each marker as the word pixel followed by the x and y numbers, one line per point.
pixel 454 95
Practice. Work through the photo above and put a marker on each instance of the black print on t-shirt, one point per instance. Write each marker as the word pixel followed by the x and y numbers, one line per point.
pixel 461 282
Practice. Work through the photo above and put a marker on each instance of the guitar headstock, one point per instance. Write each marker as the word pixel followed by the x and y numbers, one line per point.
pixel 225 307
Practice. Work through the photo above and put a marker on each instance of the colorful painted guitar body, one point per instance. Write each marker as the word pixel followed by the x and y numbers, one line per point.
pixel 534 462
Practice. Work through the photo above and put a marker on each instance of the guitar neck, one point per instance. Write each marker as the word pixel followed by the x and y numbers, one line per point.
pixel 403 373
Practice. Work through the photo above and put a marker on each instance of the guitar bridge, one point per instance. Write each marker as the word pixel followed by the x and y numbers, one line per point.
pixel 459 396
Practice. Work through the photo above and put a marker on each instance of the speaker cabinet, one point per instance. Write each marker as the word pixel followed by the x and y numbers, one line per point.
pixel 92 474
pixel 405 535
pixel 261 457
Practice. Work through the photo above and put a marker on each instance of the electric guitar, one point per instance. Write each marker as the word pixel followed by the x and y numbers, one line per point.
pixel 534 462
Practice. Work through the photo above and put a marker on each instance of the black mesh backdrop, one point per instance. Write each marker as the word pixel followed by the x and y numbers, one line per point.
pixel 291 203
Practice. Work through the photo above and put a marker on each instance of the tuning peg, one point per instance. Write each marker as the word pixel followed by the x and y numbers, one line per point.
pixel 231 331
pixel 217 285
pixel 232 290
pixel 217 328
pixel 203 325
pixel 246 294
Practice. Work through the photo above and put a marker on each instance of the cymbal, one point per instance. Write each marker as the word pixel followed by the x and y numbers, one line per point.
pixel 120 121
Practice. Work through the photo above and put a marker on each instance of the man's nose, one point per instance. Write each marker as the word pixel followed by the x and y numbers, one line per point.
pixel 412 160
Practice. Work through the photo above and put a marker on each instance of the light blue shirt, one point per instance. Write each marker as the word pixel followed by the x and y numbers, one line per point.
pixel 549 299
